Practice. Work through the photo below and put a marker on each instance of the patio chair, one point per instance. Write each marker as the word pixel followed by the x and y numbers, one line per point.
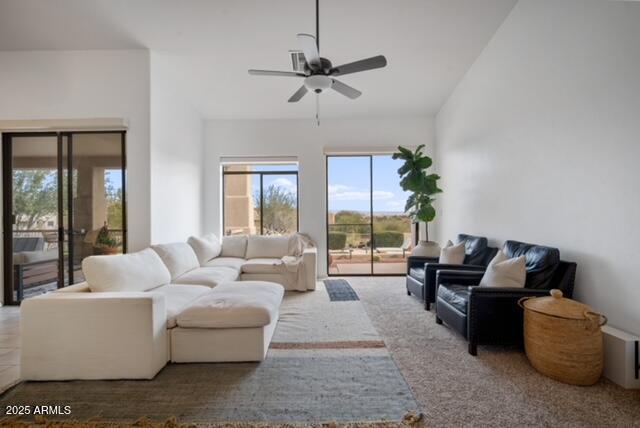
pixel 32 264
pixel 406 246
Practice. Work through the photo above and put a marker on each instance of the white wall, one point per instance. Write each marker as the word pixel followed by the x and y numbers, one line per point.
pixel 88 84
pixel 302 138
pixel 177 138
pixel 540 143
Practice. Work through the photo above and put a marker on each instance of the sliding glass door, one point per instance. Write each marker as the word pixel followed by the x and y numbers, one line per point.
pixel 63 200
pixel 368 232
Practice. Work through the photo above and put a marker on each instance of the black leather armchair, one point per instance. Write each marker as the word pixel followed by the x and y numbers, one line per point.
pixel 487 315
pixel 421 272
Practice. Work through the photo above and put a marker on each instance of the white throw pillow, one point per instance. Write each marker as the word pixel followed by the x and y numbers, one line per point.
pixel 179 257
pixel 139 271
pixel 206 248
pixel 505 272
pixel 270 247
pixel 234 246
pixel 452 254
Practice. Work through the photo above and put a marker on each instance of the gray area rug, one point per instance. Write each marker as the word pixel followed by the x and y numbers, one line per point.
pixel 340 291
pixel 327 363
pixel 280 389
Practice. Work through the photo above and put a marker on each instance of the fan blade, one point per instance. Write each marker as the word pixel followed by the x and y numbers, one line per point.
pixel 345 90
pixel 299 94
pixel 362 65
pixel 310 48
pixel 275 73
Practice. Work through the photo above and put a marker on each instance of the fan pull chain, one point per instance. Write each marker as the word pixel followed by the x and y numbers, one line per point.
pixel 317 109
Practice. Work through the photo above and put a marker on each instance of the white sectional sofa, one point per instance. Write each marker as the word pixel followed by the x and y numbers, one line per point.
pixel 200 301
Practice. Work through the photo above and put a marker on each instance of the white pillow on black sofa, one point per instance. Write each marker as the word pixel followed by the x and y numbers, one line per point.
pixel 452 254
pixel 505 272
pixel 206 247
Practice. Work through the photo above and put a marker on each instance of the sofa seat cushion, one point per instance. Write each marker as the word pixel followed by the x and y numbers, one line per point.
pixel 266 265
pixel 177 297
pixel 455 295
pixel 209 276
pixel 230 262
pixel 240 304
pixel 140 271
pixel 417 273
pixel 179 257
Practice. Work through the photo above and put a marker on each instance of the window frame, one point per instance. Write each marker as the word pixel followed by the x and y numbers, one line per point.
pixel 261 175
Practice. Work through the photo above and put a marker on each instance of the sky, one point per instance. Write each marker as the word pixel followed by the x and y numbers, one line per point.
pixel 286 182
pixel 350 188
pixel 114 176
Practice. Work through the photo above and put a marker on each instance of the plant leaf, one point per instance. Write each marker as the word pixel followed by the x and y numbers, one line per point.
pixel 426 213
pixel 423 162
pixel 408 153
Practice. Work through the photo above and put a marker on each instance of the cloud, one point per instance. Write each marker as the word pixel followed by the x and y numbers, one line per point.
pixel 395 205
pixel 337 188
pixel 285 183
pixel 341 192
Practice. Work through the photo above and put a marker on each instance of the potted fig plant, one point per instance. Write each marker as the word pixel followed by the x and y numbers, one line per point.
pixel 423 187
pixel 105 242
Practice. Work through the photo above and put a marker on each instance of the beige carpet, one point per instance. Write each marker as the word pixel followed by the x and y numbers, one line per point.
pixel 496 388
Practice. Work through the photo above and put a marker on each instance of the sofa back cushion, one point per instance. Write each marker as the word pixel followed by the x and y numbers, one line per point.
pixel 271 247
pixel 234 246
pixel 541 262
pixel 206 247
pixel 139 271
pixel 179 257
pixel 474 248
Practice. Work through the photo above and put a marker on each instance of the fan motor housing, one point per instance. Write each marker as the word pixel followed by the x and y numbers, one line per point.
pixel 325 67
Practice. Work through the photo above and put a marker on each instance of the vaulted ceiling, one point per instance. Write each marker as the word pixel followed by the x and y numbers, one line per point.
pixel 209 45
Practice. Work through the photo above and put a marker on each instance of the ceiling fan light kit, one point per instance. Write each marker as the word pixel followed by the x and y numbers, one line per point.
pixel 318 72
pixel 318 83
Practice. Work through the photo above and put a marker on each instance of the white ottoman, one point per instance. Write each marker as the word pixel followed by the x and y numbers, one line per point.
pixel 235 322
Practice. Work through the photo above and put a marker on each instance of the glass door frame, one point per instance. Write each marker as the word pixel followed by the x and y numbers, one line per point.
pixel 371 220
pixel 7 202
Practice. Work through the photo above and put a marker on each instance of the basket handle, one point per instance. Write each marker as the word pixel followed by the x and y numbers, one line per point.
pixel 602 320
pixel 522 300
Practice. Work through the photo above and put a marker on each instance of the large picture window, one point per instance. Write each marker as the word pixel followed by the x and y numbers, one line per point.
pixel 368 232
pixel 260 199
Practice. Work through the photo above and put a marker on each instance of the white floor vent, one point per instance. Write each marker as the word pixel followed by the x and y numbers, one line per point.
pixel 621 359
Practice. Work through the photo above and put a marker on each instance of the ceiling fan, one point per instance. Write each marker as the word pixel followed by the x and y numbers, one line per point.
pixel 318 72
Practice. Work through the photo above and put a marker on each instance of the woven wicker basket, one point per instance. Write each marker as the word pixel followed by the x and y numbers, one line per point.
pixel 562 338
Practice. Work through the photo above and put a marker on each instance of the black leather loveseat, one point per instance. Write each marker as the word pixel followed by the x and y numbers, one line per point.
pixel 421 271
pixel 488 315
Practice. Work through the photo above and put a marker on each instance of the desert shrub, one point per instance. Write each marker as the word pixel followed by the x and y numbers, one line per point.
pixel 337 240
pixel 388 239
